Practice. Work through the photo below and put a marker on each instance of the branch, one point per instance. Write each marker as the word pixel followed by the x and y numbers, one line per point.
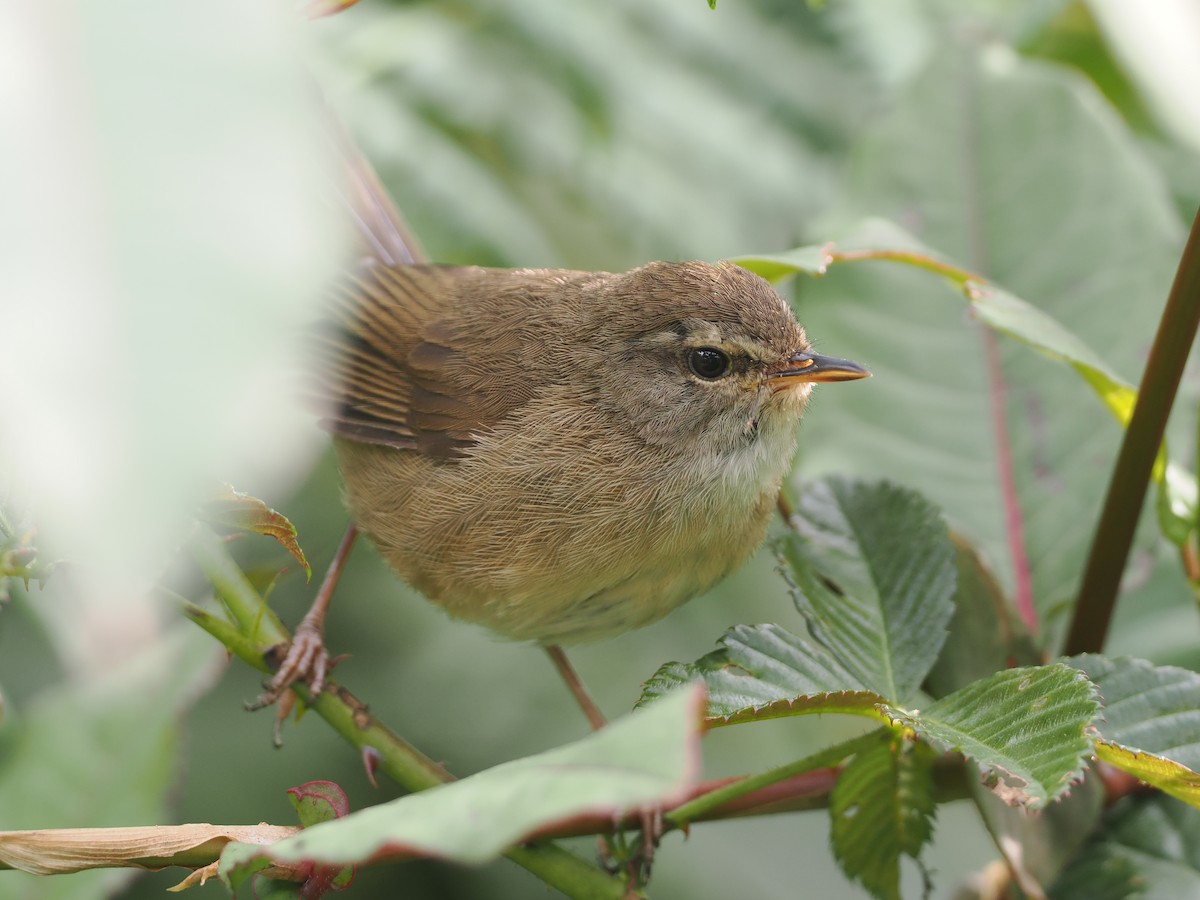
pixel 350 718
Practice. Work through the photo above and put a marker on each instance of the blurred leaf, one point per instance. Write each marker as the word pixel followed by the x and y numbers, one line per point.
pixel 641 762
pixel 996 162
pixel 882 807
pixel 1009 315
pixel 101 753
pixel 1038 848
pixel 1026 729
pixel 164 353
pixel 873 571
pixel 1149 847
pixel 1099 873
pixel 241 512
pixel 606 174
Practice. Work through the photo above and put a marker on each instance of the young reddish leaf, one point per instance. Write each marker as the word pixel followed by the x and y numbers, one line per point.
pixel 318 801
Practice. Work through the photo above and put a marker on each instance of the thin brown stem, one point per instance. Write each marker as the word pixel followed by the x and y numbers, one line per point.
pixel 576 686
pixel 1135 462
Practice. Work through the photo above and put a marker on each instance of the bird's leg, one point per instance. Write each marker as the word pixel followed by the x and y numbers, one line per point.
pixel 620 854
pixel 614 851
pixel 306 658
pixel 576 686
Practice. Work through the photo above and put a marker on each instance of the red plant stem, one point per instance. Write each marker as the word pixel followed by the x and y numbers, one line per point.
pixel 1014 526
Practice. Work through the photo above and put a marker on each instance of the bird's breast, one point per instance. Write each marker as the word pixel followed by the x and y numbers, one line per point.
pixel 565 537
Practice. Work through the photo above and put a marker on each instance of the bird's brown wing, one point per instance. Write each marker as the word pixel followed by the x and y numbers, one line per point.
pixel 426 357
pixel 368 389
pixel 389 361
pixel 414 356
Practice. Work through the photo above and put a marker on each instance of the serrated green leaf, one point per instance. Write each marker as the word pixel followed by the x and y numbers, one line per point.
pixel 764 672
pixel 1167 775
pixel 873 571
pixel 1149 708
pixel 1151 724
pixel 1026 729
pixel 882 807
pixel 948 163
pixel 644 761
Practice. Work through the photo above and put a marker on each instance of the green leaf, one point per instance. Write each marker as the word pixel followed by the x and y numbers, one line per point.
pixel 1038 848
pixel 641 762
pixel 1167 775
pixel 1009 315
pixel 1149 708
pixel 873 571
pixel 1150 848
pixel 1100 872
pixel 1026 729
pixel 882 807
pixel 1151 724
pixel 951 162
pixel 102 752
pixel 811 260
pixel 485 189
pixel 986 634
pixel 764 672
pixel 318 801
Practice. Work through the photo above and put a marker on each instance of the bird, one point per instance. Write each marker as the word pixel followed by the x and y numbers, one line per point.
pixel 558 455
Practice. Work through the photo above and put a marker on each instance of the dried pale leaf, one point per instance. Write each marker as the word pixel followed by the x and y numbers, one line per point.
pixel 62 850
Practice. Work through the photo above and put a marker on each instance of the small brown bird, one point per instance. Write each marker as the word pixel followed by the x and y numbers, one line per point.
pixel 561 456
pixel 564 456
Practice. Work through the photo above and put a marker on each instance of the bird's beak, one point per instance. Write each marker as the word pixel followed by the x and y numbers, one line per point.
pixel 810 367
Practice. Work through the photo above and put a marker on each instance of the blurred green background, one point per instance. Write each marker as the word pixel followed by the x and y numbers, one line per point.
pixel 1032 141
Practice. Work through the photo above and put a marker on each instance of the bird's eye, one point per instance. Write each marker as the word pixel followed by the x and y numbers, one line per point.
pixel 708 363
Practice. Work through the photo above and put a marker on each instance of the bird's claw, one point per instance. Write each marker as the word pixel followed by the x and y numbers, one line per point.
pixel 634 859
pixel 304 661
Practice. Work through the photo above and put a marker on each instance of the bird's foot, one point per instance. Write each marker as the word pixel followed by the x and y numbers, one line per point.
pixel 633 857
pixel 304 661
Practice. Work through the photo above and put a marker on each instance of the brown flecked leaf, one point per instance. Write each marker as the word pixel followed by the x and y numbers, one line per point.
pixel 242 512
